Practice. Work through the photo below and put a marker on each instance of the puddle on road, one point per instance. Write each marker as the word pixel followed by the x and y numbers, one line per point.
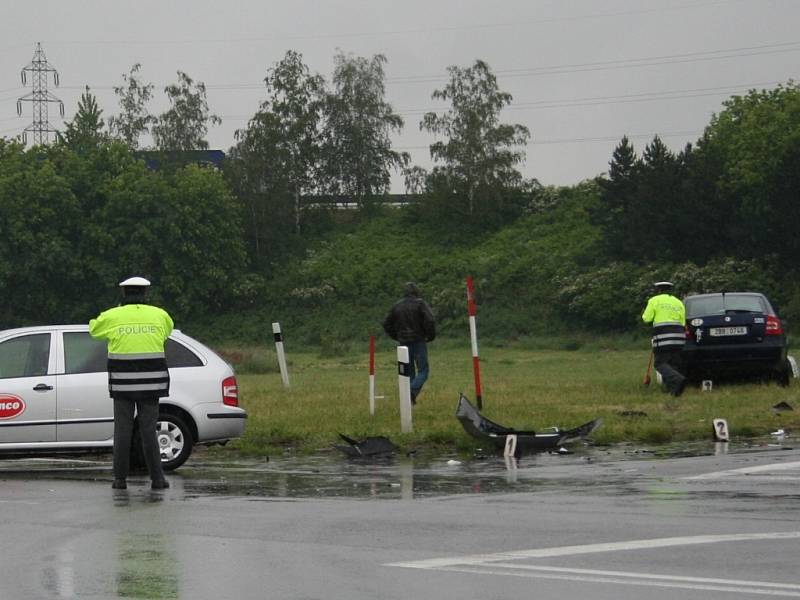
pixel 331 475
pixel 322 476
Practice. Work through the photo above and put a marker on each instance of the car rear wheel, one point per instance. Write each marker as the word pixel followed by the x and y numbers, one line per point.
pixel 174 441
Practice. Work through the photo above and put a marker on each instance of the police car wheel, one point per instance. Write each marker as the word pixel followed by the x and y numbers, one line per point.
pixel 174 441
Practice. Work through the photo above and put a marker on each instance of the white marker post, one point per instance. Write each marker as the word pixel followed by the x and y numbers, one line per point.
pixel 404 383
pixel 276 331
pixel 372 375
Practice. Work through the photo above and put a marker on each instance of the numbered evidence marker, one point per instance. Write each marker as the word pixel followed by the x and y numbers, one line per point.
pixel 511 445
pixel 707 385
pixel 721 430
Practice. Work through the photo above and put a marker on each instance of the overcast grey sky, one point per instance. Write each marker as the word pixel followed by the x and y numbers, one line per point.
pixel 582 73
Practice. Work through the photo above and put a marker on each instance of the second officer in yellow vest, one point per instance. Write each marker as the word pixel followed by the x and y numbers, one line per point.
pixel 668 316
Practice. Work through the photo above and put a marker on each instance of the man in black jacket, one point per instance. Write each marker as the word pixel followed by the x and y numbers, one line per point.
pixel 410 322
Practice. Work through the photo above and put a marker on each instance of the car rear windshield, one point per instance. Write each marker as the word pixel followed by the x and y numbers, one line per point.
pixel 719 304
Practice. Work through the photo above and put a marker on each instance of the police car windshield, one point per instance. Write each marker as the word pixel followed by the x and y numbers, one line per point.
pixel 717 305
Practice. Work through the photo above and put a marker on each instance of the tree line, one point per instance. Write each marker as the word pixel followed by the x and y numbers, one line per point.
pixel 733 193
pixel 86 211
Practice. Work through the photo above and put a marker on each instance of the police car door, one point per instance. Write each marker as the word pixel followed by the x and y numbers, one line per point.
pixel 27 390
pixel 85 410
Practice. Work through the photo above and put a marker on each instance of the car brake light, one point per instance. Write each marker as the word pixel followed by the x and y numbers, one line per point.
pixel 774 326
pixel 230 392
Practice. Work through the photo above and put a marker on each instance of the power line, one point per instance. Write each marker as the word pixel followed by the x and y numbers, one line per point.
pixel 409 31
pixel 632 136
pixel 624 63
pixel 593 100
pixel 578 102
pixel 619 99
pixel 581 140
pixel 721 54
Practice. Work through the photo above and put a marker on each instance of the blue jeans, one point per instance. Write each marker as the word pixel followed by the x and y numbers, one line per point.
pixel 418 362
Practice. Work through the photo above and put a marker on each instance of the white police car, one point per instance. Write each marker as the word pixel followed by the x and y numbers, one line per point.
pixel 54 395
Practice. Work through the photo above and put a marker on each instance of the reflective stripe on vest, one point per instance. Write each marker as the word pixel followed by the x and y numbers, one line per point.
pixel 139 356
pixel 119 386
pixel 668 335
pixel 143 375
pixel 138 373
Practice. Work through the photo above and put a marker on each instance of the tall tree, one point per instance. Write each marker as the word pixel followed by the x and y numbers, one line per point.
pixel 280 149
pixel 82 221
pixel 40 220
pixel 184 126
pixel 133 120
pixel 617 199
pixel 86 131
pixel 479 154
pixel 657 214
pixel 358 126
pixel 776 234
pixel 753 140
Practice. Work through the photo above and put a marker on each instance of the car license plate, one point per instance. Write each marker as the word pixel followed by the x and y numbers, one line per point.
pixel 724 331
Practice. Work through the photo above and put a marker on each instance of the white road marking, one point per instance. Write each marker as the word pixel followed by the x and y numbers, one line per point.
pixel 645 579
pixel 630 574
pixel 746 471
pixel 497 564
pixel 480 559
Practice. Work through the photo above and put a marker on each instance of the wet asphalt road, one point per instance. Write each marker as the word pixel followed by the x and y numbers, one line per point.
pixel 588 525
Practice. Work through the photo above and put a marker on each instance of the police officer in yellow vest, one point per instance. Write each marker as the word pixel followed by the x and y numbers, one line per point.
pixel 137 375
pixel 668 316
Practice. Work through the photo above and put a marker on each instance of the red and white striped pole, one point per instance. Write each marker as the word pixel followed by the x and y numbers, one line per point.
pixel 372 375
pixel 473 333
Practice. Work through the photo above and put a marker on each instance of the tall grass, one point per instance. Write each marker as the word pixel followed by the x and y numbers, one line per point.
pixel 523 388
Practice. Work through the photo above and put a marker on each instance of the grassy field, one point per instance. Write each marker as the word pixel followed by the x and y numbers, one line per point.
pixel 522 388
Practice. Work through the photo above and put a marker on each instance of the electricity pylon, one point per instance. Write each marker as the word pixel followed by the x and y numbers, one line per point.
pixel 39 97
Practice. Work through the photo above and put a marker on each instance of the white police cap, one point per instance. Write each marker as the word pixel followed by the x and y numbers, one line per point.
pixel 134 282
pixel 663 284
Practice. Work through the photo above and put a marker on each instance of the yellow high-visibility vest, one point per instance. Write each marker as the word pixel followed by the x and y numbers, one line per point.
pixel 133 329
pixel 664 309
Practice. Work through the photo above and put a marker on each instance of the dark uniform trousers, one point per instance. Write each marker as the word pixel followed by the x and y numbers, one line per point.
pixel 668 341
pixel 136 382
pixel 147 418
pixel 667 361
